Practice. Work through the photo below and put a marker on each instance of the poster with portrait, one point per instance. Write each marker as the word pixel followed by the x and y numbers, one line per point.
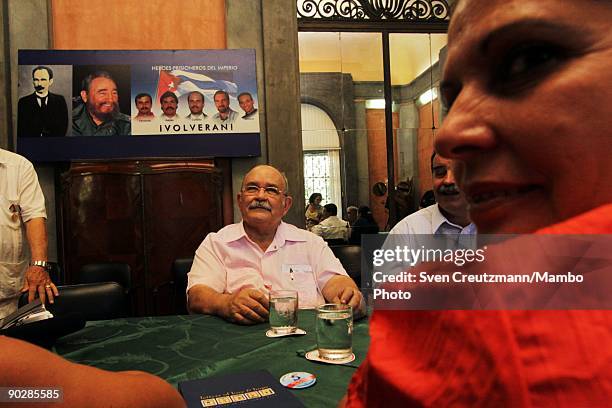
pixel 76 105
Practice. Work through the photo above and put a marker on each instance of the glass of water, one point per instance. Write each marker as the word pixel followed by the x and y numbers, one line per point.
pixel 283 311
pixel 334 331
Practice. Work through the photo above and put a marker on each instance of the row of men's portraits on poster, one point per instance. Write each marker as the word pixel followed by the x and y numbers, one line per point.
pixel 105 100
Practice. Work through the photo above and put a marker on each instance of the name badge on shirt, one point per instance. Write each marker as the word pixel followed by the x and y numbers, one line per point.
pixel 294 269
pixel 303 279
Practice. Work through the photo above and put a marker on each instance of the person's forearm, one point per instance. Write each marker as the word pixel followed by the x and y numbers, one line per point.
pixel 203 299
pixel 36 234
pixel 26 365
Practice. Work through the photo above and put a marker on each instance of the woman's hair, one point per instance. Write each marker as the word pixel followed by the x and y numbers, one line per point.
pixel 313 197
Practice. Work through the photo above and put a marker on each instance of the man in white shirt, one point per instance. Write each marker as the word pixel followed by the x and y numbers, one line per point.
pixel 22 213
pixel 331 227
pixel 443 225
pixel 449 215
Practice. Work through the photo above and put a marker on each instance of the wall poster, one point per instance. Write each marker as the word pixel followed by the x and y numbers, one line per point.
pixel 77 105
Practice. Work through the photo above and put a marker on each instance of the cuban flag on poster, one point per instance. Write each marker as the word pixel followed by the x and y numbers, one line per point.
pixel 182 82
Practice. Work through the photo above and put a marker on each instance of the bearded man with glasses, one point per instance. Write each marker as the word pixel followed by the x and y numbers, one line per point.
pixel 234 269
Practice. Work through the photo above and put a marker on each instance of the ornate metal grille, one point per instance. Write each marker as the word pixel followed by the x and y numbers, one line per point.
pixel 373 10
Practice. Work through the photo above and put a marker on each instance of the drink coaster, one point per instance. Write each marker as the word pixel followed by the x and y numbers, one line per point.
pixel 297 332
pixel 313 355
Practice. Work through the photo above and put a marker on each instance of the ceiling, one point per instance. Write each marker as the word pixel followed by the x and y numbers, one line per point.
pixel 360 54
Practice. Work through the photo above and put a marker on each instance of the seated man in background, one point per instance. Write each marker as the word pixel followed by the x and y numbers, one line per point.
pixel 449 215
pixel 81 385
pixel 331 227
pixel 234 268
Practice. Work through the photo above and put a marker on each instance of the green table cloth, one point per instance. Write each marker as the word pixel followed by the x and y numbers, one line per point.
pixel 179 348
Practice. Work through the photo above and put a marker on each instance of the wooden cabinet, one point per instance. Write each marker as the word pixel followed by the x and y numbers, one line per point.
pixel 143 213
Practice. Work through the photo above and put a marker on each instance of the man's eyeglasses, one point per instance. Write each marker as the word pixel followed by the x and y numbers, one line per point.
pixel 270 191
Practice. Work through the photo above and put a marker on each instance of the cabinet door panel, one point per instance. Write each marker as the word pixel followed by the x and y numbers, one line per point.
pixel 145 214
pixel 181 208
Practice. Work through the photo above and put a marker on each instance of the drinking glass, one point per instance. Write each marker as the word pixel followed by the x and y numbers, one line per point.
pixel 334 331
pixel 283 311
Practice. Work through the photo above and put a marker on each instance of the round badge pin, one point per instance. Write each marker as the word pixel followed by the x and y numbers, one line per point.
pixel 298 380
